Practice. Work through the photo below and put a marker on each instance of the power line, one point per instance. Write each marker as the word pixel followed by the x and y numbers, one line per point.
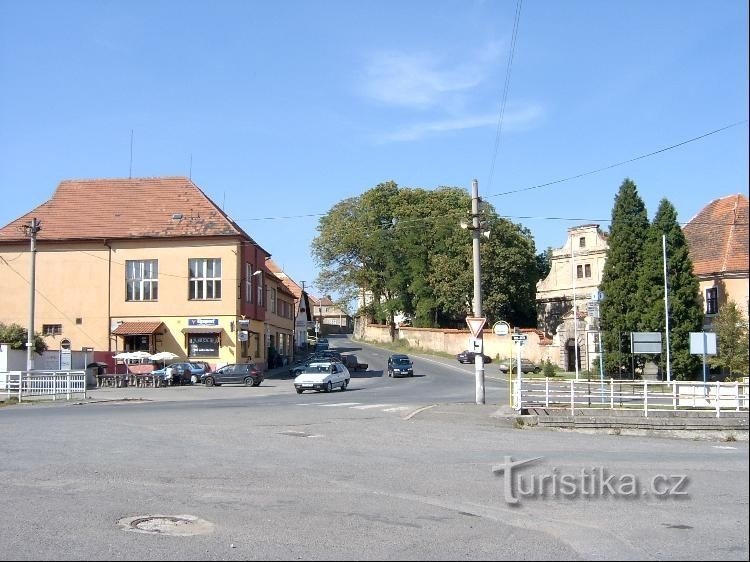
pixel 506 88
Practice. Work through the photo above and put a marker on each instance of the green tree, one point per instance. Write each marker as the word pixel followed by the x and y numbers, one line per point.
pixel 405 247
pixel 685 308
pixel 16 336
pixel 619 310
pixel 731 329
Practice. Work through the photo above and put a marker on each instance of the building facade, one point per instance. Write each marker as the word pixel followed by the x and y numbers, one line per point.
pixel 146 264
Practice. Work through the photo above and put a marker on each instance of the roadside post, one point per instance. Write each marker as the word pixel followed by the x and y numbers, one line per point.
pixel 519 340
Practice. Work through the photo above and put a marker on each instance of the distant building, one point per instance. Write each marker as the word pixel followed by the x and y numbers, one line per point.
pixel 718 240
pixel 330 317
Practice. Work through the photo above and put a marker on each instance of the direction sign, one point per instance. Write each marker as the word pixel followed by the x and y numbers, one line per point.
pixel 519 337
pixel 475 325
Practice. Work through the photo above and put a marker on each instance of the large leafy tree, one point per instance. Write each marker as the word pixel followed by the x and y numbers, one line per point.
pixel 731 329
pixel 685 310
pixel 16 336
pixel 405 247
pixel 619 310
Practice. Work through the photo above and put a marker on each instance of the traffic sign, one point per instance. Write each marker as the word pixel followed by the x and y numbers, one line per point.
pixel 501 328
pixel 476 345
pixel 475 325
pixel 519 337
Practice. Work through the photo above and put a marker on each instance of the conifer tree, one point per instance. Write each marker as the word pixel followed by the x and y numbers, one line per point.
pixel 685 309
pixel 619 310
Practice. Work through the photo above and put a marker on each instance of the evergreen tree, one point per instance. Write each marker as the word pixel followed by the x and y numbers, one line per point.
pixel 685 309
pixel 619 310
pixel 732 340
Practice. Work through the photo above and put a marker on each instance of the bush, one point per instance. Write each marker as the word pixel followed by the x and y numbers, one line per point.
pixel 548 369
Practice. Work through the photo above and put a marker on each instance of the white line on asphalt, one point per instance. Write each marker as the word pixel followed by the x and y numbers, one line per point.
pixel 340 404
pixel 415 412
pixel 398 409
pixel 368 406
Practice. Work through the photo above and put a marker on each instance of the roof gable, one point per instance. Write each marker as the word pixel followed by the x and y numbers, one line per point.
pixel 718 236
pixel 126 208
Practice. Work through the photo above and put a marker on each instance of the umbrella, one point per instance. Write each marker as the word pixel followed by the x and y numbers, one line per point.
pixel 163 356
pixel 124 355
pixel 140 355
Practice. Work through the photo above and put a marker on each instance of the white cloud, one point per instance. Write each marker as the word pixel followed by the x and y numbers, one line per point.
pixel 513 120
pixel 423 80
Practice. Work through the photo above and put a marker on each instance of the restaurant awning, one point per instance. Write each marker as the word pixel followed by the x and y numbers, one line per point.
pixel 136 328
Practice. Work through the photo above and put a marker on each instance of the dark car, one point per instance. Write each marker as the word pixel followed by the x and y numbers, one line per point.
pixel 323 355
pixel 321 344
pixel 183 372
pixel 527 366
pixel 247 373
pixel 468 357
pixel 400 365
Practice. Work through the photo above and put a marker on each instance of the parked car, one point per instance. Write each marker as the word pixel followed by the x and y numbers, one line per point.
pixel 247 373
pixel 468 357
pixel 400 365
pixel 527 366
pixel 321 344
pixel 322 375
pixel 325 355
pixel 182 372
pixel 353 364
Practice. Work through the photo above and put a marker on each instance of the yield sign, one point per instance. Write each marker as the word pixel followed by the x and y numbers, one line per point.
pixel 475 325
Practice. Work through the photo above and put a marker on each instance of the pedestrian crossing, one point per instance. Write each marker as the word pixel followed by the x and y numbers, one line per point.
pixel 390 408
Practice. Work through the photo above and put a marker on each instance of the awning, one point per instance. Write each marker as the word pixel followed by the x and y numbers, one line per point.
pixel 202 330
pixel 136 328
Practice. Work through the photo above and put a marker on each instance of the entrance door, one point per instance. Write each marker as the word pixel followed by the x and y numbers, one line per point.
pixel 570 356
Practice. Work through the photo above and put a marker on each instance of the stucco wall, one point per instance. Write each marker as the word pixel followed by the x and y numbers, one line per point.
pixel 455 341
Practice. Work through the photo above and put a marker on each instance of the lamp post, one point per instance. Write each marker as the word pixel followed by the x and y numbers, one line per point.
pixel 31 230
pixel 478 228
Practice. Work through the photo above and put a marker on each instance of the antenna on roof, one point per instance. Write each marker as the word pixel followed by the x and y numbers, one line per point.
pixel 130 174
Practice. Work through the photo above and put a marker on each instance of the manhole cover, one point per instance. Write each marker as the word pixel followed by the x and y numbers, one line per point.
pixel 174 525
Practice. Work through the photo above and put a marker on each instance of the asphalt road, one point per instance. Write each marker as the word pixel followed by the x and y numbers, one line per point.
pixel 376 472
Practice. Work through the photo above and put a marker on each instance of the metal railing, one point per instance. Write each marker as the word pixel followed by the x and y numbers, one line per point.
pixel 646 396
pixel 40 384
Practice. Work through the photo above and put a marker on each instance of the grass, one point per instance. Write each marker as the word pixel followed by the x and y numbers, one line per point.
pixel 9 401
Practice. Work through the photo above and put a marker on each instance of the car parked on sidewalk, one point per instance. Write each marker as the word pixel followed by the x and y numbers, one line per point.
pixel 246 373
pixel 400 365
pixel 322 376
pixel 468 357
pixel 527 366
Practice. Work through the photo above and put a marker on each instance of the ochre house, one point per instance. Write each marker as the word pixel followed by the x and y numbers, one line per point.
pixel 146 264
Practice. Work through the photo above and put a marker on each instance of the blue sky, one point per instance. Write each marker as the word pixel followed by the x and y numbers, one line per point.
pixel 288 107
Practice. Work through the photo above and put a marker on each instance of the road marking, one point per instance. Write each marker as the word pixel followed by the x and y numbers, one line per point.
pixel 422 409
pixel 340 404
pixel 398 409
pixel 724 447
pixel 368 406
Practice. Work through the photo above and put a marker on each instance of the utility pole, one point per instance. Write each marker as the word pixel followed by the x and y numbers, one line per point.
pixel 31 231
pixel 476 232
pixel 666 304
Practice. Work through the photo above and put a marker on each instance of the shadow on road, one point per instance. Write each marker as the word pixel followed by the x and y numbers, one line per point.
pixel 369 374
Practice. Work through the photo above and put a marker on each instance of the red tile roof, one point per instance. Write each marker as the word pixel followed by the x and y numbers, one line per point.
pixel 126 208
pixel 136 328
pixel 718 237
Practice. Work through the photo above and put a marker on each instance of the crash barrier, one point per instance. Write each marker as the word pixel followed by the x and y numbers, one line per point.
pixel 42 384
pixel 646 396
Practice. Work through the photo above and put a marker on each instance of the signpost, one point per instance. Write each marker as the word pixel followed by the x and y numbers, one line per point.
pixel 703 343
pixel 501 328
pixel 519 340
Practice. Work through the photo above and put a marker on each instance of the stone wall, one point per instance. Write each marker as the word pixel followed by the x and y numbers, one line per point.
pixel 537 348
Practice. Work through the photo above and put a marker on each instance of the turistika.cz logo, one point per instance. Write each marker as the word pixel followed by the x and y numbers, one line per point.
pixel 592 482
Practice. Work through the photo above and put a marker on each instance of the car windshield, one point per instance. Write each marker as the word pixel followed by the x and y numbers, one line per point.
pixel 402 361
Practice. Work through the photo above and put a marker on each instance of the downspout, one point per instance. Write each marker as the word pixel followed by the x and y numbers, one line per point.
pixel 109 295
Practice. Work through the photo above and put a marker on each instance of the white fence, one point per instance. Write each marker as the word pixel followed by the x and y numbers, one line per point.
pixel 41 384
pixel 646 396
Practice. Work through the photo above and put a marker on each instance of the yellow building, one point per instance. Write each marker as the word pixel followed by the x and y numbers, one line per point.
pixel 146 264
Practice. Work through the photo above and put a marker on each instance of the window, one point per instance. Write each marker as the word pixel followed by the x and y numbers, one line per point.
pixel 579 271
pixel 51 329
pixel 204 345
pixel 260 289
pixel 712 300
pixel 273 300
pixel 582 242
pixel 248 283
pixel 588 269
pixel 141 280
pixel 204 278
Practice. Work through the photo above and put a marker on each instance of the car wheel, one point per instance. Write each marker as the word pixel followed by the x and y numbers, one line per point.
pixel 209 381
pixel 329 387
pixel 299 390
pixel 257 383
pixel 343 386
pixel 249 381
